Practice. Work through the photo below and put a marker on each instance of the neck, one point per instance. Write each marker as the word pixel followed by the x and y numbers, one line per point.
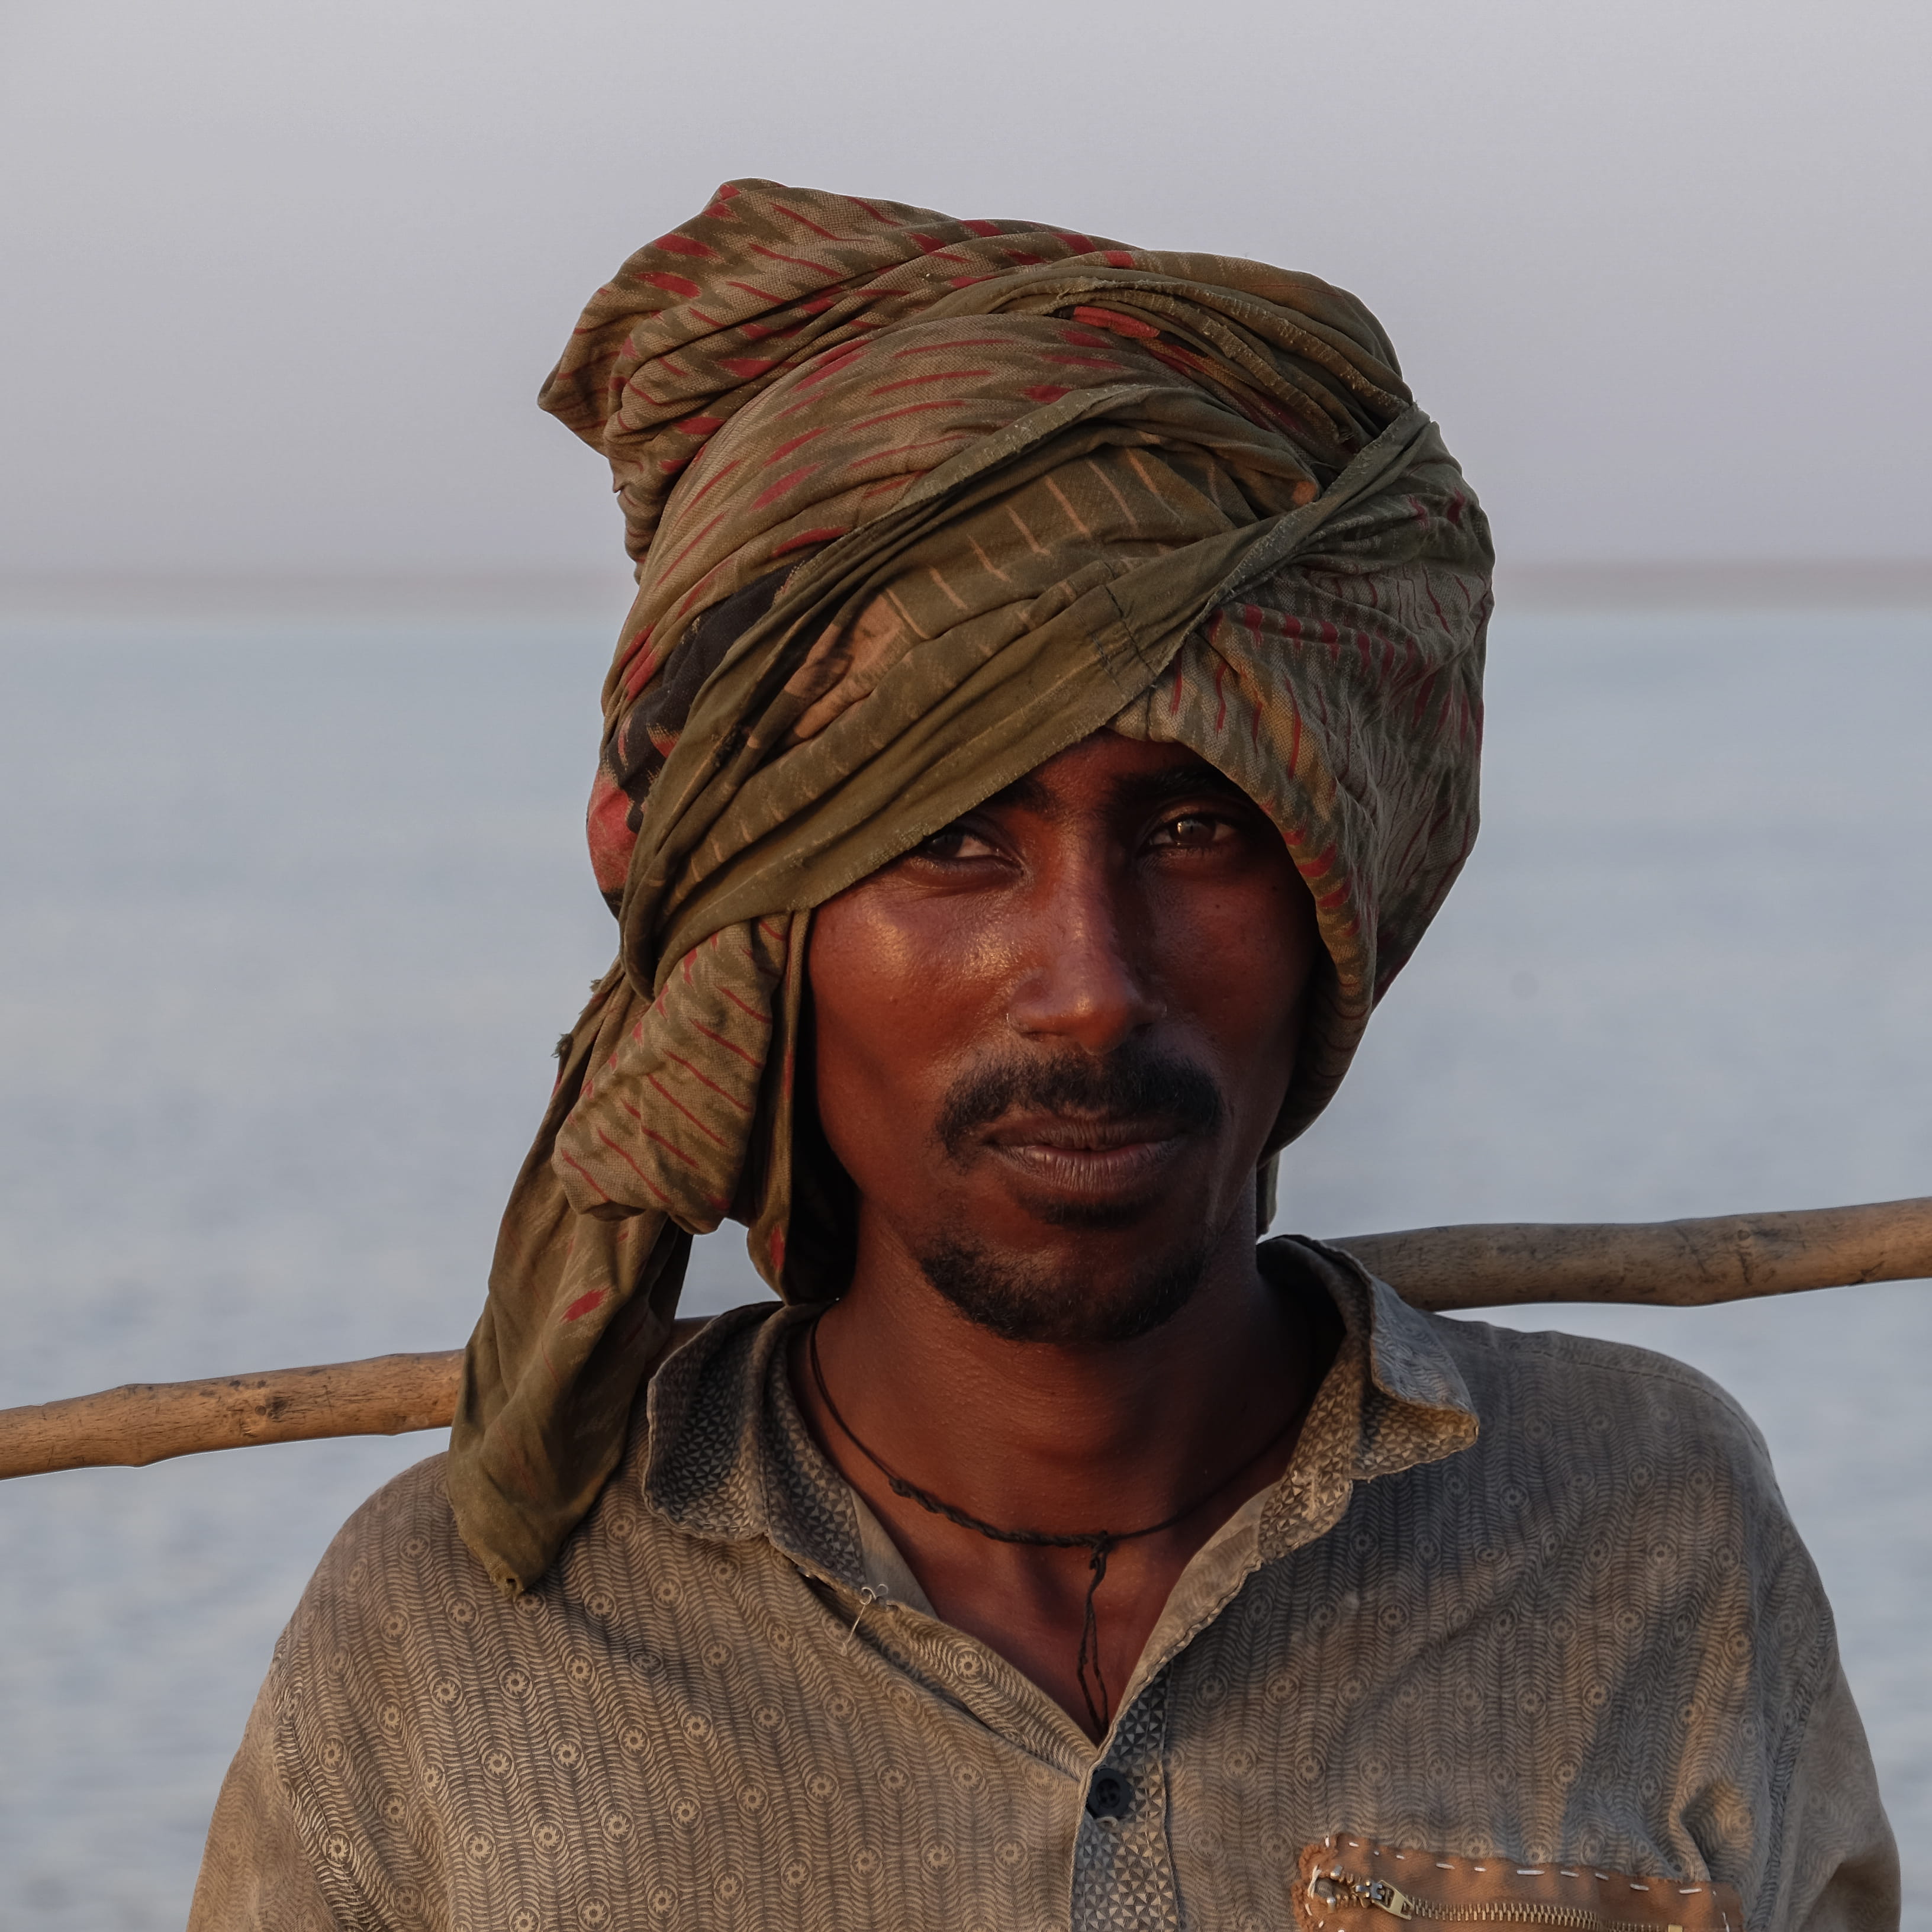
pixel 1132 1452
pixel 1063 1439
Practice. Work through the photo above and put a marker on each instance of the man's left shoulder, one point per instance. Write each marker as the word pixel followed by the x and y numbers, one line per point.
pixel 1606 1474
pixel 1590 1412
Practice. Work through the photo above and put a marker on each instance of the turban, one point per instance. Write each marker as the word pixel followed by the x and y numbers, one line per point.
pixel 916 504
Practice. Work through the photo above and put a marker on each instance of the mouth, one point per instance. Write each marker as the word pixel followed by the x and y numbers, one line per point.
pixel 1091 1158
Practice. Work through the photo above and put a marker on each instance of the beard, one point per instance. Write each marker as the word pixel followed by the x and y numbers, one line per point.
pixel 1022 1299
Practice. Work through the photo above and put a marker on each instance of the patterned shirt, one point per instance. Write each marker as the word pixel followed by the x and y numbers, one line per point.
pixel 1524 1626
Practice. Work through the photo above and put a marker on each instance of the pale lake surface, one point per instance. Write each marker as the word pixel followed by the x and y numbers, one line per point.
pixel 292 916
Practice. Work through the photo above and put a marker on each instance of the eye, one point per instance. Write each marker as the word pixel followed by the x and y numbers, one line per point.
pixel 1194 831
pixel 952 844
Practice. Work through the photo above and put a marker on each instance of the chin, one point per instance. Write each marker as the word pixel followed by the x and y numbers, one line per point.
pixel 1065 1301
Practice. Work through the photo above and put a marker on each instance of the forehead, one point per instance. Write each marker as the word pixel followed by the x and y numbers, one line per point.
pixel 1107 771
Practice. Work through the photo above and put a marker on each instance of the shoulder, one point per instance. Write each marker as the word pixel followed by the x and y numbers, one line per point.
pixel 1579 1407
pixel 400 1601
pixel 374 1635
pixel 395 1602
pixel 398 1582
pixel 403 1661
pixel 1606 1389
pixel 1634 1451
pixel 409 1696
pixel 401 1544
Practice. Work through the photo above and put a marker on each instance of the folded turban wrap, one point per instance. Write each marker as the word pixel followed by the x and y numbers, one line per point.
pixel 916 504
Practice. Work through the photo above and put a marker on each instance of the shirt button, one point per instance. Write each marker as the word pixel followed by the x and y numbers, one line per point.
pixel 1110 1794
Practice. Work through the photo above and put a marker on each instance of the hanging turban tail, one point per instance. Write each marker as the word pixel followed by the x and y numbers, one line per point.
pixel 916 504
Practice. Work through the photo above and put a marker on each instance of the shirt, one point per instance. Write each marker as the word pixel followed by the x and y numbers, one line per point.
pixel 1525 1619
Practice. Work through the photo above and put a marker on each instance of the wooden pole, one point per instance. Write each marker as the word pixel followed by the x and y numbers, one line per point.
pixel 148 1422
pixel 141 1423
pixel 1653 1263
pixel 1660 1263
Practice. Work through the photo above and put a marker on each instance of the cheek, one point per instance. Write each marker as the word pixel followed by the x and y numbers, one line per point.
pixel 898 998
pixel 1239 961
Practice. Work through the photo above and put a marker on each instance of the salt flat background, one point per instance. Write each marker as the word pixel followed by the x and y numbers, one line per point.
pixel 291 914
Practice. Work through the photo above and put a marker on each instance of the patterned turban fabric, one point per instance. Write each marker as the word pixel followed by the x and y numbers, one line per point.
pixel 917 503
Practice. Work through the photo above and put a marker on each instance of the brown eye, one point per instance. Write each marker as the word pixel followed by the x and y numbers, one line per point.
pixel 952 842
pixel 1193 829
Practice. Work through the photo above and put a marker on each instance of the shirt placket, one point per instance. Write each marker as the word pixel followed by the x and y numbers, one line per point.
pixel 1123 1863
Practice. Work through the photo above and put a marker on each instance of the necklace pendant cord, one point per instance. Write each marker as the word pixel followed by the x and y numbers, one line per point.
pixel 1099 1543
pixel 1100 1705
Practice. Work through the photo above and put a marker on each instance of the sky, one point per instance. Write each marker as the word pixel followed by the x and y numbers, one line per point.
pixel 282 278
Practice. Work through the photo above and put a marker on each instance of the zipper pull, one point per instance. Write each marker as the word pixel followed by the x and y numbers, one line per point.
pixel 1333 1889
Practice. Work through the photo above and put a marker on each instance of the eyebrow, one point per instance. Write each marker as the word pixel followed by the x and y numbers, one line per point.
pixel 1148 790
pixel 1138 791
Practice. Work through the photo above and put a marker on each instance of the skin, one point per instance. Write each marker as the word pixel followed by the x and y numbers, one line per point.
pixel 1124 899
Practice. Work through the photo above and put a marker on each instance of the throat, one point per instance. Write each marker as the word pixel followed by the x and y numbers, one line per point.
pixel 1068 1579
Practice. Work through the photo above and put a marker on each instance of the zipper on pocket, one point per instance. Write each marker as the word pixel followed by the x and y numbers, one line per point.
pixel 1377 1891
pixel 1331 1889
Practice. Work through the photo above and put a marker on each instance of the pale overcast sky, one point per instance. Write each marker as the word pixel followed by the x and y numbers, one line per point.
pixel 280 280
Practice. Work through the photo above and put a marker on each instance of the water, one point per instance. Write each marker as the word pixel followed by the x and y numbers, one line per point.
pixel 293 915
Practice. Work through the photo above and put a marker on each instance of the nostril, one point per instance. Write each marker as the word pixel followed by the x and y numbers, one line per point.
pixel 1090 994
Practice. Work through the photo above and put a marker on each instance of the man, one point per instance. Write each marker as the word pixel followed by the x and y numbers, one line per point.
pixel 1047 723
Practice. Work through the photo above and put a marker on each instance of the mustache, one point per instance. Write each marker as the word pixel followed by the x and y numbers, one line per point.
pixel 1131 1082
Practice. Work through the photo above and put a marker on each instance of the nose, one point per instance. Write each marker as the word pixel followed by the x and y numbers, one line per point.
pixel 1082 973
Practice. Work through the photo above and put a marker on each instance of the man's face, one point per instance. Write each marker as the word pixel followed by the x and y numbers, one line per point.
pixel 1051 1040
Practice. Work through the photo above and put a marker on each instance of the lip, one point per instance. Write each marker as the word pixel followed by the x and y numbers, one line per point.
pixel 1092 1159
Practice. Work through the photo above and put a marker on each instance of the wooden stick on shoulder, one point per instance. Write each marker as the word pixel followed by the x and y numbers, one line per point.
pixel 1655 1263
pixel 149 1422
pixel 1662 1263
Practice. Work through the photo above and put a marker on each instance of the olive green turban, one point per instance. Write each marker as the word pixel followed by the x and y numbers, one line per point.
pixel 916 503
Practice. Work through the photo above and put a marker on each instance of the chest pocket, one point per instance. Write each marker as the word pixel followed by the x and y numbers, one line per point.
pixel 1350 1885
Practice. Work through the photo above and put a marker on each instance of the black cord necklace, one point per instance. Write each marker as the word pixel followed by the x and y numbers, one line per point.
pixel 1099 1543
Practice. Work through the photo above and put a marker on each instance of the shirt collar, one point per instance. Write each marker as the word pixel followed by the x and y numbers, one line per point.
pixel 729 1456
pixel 1392 1398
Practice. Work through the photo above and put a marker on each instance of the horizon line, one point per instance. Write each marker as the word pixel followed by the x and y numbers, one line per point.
pixel 1570 584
